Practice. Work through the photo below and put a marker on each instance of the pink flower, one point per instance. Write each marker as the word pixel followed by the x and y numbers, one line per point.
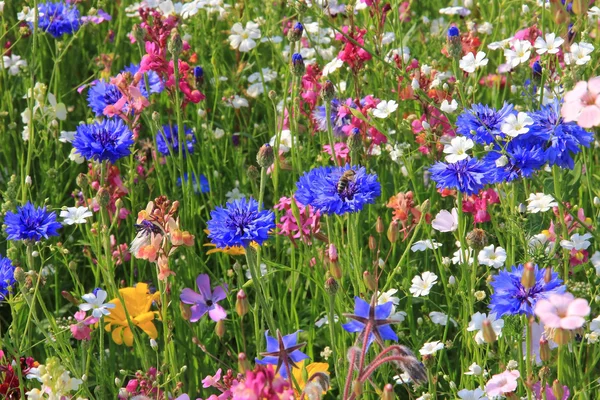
pixel 537 389
pixel 446 221
pixel 582 104
pixel 211 380
pixel 562 311
pixel 503 383
pixel 342 152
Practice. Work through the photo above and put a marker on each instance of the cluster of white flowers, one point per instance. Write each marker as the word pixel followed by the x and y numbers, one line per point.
pixel 57 382
pixel 46 109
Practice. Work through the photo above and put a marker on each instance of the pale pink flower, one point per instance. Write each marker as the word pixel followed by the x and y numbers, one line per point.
pixel 212 380
pixel 582 104
pixel 562 311
pixel 446 221
pixel 503 383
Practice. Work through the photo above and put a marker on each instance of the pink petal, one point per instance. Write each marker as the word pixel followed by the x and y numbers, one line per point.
pixel 579 307
pixel 577 93
pixel 570 111
pixel 589 117
pixel 217 313
pixel 594 85
pixel 571 323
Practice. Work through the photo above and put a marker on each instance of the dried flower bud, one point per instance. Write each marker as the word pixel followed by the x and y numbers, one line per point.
pixel 545 353
pixel 379 227
pixel 69 297
pixel 253 173
pixel 175 45
pixel 528 277
pixel 220 328
pixel 388 392
pixel 393 230
pixel 242 306
pixel 103 197
pixel 265 156
pixel 557 389
pixel 477 239
pixel 372 243
pixel 272 94
pixel 327 91
pixel 369 280
pixel 331 286
pixel 489 336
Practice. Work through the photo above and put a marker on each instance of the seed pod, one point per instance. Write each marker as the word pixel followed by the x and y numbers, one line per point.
pixel 220 329
pixel 372 243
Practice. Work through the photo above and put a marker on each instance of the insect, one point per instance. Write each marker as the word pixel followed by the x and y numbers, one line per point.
pixel 345 180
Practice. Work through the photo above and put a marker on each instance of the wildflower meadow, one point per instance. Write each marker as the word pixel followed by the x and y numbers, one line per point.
pixel 299 199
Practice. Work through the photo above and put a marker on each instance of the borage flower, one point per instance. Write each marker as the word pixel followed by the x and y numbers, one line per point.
pixel 377 316
pixel 206 300
pixel 31 223
pixel 240 223
pixel 321 186
pixel 283 350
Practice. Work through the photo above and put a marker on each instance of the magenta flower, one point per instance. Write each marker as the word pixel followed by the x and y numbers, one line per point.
pixel 206 300
pixel 537 389
pixel 503 383
pixel 562 311
pixel 582 104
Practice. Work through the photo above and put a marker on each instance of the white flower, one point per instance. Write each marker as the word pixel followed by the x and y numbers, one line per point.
pixel 577 242
pixel 67 136
pixel 238 102
pixel 385 108
pixel 446 221
pixel 387 297
pixel 332 66
pixel 2 7
pixel 470 62
pixel 457 149
pixel 234 194
pixel 263 271
pixel 594 12
pixel 76 157
pixel 458 256
pixel 477 394
pixel 267 74
pixel 402 379
pixel 431 348
pixel 502 44
pixel 550 45
pixel 75 215
pixel 242 38
pixel 515 125
pixel 540 202
pixel 595 260
pixel 492 257
pixel 474 369
pixel 449 107
pixel 14 64
pixel 439 318
pixel 580 53
pixel 485 28
pixel 255 89
pixel 421 285
pixel 388 37
pixel 595 325
pixel 461 11
pixel 520 52
pixel 27 15
pixel 285 141
pixel 95 302
pixel 324 321
pixel 476 324
pixel 422 245
pixel 398 317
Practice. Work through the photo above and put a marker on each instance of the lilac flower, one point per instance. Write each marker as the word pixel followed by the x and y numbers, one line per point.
pixel 282 350
pixel 377 316
pixel 31 223
pixel 510 297
pixel 206 300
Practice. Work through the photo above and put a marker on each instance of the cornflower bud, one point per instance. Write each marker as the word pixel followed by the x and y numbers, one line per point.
pixel 528 277
pixel 477 239
pixel 298 67
pixel 241 303
pixel 369 280
pixel 82 181
pixel 454 44
pixel 327 91
pixel 175 45
pixel 265 156
pixel 138 33
pixel 103 197
pixel 199 75
pixel 355 141
pixel 272 94
pixel 156 117
pixel 253 173
pixel 295 33
pixel 20 275
pixel 331 286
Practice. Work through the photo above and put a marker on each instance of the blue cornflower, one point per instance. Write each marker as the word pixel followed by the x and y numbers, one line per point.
pixel 510 297
pixel 31 223
pixel 58 18
pixel 468 176
pixel 482 123
pixel 167 140
pixel 521 162
pixel 320 188
pixel 240 223
pixel 199 187
pixel 561 140
pixel 7 276
pixel 378 316
pixel 337 122
pixel 283 350
pixel 109 140
pixel 453 31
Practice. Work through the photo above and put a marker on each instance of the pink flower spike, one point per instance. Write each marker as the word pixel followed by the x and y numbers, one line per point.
pixel 562 311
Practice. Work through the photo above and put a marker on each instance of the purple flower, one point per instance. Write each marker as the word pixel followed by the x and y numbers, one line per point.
pixel 206 300
pixel 283 350
pixel 377 317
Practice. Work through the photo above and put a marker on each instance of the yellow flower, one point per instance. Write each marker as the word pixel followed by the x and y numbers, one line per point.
pixel 300 377
pixel 138 302
pixel 231 250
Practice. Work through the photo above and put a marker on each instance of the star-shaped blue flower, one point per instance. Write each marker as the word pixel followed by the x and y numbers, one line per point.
pixel 377 316
pixel 283 350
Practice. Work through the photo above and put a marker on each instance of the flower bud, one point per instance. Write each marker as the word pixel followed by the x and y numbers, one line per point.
pixel 369 280
pixel 388 392
pixel 220 328
pixel 82 181
pixel 332 252
pixel 20 275
pixel 561 336
pixel 557 389
pixel 453 43
pixel 528 277
pixel 355 141
pixel 489 336
pixel 175 45
pixel 477 239
pixel 103 197
pixel 331 286
pixel 298 67
pixel 241 303
pixel 596 201
pixel 357 389
pixel 272 94
pixel 186 313
pixel 295 33
pixel 548 275
pixel 335 270
pixel 253 173
pixel 139 34
pixel 243 364
pixel 545 353
pixel 69 297
pixel 372 243
pixel 327 91
pixel 153 344
pixel 392 232
pixel 379 227
pixel 265 156
pixel 579 8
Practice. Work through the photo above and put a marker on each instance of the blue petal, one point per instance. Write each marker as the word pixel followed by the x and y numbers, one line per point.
pixel 387 333
pixel 383 311
pixel 272 343
pixel 361 307
pixel 290 340
pixel 354 326
pixel 298 356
